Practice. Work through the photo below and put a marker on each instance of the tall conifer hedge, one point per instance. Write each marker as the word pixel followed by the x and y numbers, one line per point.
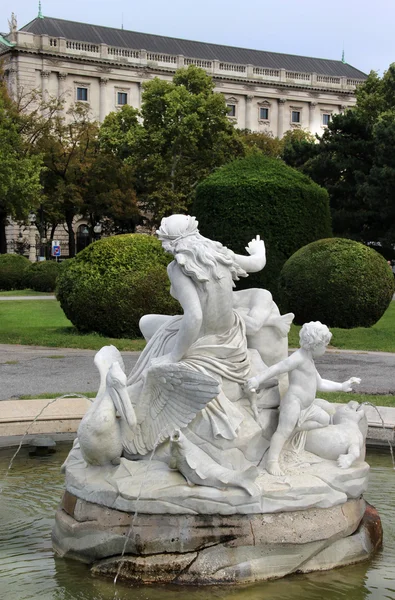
pixel 262 195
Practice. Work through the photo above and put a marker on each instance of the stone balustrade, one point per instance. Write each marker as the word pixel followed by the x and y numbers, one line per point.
pixel 140 57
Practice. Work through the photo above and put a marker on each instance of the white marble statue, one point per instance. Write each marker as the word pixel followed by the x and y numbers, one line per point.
pixel 200 469
pixel 203 397
pixel 298 410
pixel 343 440
pixel 210 336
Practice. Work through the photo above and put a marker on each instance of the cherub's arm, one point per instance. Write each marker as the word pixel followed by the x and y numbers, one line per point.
pixel 326 385
pixel 257 259
pixel 183 289
pixel 284 366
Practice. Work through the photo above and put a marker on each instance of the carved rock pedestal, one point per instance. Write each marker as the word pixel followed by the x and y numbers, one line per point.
pixel 214 549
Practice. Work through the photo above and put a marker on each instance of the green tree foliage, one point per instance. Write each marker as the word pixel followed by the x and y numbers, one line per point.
pixel 185 134
pixel 19 170
pixel 80 179
pixel 353 160
pixel 261 143
pixel 111 284
pixel 262 195
pixel 339 282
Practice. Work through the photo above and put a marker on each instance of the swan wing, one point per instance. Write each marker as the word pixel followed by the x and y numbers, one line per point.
pixel 172 396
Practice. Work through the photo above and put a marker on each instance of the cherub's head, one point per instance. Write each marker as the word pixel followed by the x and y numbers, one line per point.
pixel 315 336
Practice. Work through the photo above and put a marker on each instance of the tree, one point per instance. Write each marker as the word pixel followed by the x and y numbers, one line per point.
pixel 185 134
pixel 353 160
pixel 19 170
pixel 261 142
pixel 80 179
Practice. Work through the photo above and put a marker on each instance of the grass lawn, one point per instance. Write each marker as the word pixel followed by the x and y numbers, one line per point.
pixel 25 293
pixel 344 397
pixel 380 337
pixel 340 397
pixel 44 324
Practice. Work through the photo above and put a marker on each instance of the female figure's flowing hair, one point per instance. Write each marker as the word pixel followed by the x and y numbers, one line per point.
pixel 197 256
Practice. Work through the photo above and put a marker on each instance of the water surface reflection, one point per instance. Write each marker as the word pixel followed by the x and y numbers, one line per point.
pixel 29 570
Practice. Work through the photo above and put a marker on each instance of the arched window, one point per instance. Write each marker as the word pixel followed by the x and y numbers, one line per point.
pixel 83 237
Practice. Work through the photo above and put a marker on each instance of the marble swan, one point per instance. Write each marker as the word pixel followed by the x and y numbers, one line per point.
pixel 99 433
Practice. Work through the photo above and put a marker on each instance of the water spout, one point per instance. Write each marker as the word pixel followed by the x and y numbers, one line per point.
pixel 32 423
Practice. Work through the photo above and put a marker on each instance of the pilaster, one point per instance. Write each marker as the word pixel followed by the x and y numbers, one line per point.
pixel 103 103
pixel 248 117
pixel 280 126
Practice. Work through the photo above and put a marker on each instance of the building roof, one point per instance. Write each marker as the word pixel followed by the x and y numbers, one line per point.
pixel 98 34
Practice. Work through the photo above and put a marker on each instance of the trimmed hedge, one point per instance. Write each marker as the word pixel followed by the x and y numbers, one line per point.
pixel 111 284
pixel 339 282
pixel 42 276
pixel 13 270
pixel 262 195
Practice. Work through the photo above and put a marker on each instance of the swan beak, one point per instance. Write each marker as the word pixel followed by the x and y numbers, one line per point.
pixel 124 406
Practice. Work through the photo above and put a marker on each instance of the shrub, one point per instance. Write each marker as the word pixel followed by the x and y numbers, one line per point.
pixel 114 282
pixel 262 195
pixel 13 269
pixel 337 281
pixel 42 276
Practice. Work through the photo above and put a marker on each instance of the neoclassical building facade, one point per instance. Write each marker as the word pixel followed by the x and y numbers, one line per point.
pixel 106 67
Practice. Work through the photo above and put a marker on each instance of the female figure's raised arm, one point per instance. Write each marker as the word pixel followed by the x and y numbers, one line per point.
pixel 184 290
pixel 257 259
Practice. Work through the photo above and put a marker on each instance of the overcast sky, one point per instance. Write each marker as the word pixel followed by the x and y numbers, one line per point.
pixel 305 27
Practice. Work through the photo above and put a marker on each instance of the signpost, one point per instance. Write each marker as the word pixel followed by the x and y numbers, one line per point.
pixel 55 249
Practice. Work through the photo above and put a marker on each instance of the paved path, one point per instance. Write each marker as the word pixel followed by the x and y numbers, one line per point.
pixel 31 370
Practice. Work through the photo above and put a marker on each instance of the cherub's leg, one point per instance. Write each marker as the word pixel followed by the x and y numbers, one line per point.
pixel 289 415
pixel 319 419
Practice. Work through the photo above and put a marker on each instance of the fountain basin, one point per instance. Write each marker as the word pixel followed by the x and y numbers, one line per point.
pixel 214 549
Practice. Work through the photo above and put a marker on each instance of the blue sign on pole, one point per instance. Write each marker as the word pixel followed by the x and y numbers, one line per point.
pixel 55 250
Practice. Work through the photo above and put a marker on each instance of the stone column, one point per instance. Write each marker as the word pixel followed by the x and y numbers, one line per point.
pixel 280 121
pixel 248 117
pixel 13 82
pixel 103 103
pixel 62 76
pixel 44 84
pixel 312 116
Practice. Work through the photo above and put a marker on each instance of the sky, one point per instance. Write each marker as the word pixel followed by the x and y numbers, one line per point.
pixel 305 27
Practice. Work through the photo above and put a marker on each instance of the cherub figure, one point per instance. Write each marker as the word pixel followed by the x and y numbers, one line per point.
pixel 298 411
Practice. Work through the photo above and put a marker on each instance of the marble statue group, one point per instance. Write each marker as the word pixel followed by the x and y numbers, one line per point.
pixel 216 418
pixel 203 396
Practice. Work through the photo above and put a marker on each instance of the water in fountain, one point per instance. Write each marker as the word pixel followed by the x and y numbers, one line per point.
pixel 32 423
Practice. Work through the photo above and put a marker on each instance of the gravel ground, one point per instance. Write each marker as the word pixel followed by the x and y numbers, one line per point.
pixel 31 370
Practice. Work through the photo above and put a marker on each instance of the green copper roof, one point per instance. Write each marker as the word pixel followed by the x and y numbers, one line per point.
pixel 6 42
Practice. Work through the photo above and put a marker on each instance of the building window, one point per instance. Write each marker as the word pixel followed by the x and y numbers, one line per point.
pixel 231 110
pixel 326 118
pixel 122 98
pixel 82 94
pixel 295 116
pixel 263 113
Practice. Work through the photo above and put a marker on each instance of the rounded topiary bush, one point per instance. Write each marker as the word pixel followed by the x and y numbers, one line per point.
pixel 262 195
pixel 42 276
pixel 13 270
pixel 339 282
pixel 114 282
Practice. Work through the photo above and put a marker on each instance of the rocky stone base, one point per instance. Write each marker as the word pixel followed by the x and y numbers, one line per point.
pixel 214 549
